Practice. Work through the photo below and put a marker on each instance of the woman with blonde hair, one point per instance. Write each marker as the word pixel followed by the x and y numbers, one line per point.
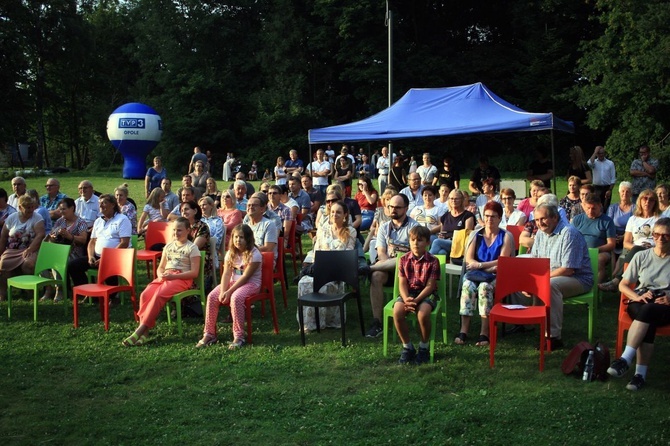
pixel 154 209
pixel 572 198
pixel 213 192
pixel 280 174
pixel 229 213
pixel 638 235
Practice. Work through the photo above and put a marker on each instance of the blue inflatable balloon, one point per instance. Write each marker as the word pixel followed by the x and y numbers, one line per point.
pixel 134 129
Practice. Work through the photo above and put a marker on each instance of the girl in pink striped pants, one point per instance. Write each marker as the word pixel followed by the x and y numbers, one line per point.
pixel 241 279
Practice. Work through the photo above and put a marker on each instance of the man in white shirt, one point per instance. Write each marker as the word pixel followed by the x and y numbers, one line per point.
pixel 19 187
pixel 604 175
pixel 320 170
pixel 87 205
pixel 383 167
pixel 427 171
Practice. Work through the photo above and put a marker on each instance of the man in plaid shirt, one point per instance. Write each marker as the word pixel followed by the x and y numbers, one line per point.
pixel 418 273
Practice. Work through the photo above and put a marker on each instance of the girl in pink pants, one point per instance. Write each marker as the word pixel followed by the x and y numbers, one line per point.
pixel 180 264
pixel 241 279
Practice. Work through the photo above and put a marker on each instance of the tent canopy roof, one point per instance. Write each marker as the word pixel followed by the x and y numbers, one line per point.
pixel 424 112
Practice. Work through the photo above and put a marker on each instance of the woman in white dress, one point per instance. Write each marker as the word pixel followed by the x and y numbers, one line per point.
pixel 511 216
pixel 337 235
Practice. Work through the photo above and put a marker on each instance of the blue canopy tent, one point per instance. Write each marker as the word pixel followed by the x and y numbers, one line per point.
pixel 424 112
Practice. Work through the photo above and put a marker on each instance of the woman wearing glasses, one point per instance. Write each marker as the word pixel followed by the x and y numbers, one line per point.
pixel 510 215
pixel 649 304
pixel 637 236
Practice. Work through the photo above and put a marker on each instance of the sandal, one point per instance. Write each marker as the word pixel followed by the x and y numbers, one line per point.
pixel 237 344
pixel 482 341
pixel 206 341
pixel 461 338
pixel 141 341
pixel 131 340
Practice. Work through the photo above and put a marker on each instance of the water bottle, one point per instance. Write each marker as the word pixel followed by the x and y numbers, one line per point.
pixel 588 367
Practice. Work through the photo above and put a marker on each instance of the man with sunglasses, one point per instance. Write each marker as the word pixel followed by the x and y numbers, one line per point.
pixel 392 240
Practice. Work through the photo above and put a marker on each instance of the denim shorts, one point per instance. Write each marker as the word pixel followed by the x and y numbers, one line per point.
pixel 427 300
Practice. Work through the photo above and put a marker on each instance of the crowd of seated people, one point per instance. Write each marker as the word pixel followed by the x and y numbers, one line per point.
pixel 377 222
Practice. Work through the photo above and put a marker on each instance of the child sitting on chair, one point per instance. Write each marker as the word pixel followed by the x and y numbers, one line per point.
pixel 418 272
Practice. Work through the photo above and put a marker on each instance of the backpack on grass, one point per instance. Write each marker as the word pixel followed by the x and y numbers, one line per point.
pixel 576 359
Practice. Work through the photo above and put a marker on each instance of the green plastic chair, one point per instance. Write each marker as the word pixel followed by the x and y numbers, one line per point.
pixel 589 298
pixel 52 256
pixel 440 309
pixel 199 291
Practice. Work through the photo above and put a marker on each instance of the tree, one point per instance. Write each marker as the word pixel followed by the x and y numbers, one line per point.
pixel 624 84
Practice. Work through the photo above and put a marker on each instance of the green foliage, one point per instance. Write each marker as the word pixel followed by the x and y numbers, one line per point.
pixel 623 81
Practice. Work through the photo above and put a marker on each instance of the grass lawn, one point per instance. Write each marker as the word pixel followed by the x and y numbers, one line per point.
pixel 62 385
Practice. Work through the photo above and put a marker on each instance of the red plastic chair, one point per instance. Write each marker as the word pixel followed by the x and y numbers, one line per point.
pixel 521 274
pixel 113 262
pixel 157 232
pixel 298 238
pixel 291 245
pixel 516 233
pixel 278 273
pixel 266 293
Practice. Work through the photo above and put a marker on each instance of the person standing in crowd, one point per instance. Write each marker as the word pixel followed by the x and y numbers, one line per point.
pixel 483 171
pixel 397 176
pixel 155 176
pixel 427 171
pixel 383 166
pixel 578 167
pixel 294 165
pixel 280 172
pixel 320 171
pixel 604 175
pixel 643 170
pixel 198 156
pixel 199 178
pixel 541 168
pixel 448 174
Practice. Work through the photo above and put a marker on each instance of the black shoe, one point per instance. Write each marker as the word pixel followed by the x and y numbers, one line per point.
pixel 375 329
pixel 556 344
pixel 636 382
pixel 618 368
pixel 364 271
pixel 518 329
pixel 407 356
pixel 422 357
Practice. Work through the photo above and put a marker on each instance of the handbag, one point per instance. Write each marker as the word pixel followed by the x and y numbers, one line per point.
pixel 479 276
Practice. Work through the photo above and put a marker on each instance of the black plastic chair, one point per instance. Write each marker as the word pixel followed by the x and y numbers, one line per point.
pixel 332 266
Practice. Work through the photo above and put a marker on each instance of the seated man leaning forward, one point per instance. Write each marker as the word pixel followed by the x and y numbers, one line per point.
pixel 392 238
pixel 569 261
pixel 418 273
pixel 598 229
